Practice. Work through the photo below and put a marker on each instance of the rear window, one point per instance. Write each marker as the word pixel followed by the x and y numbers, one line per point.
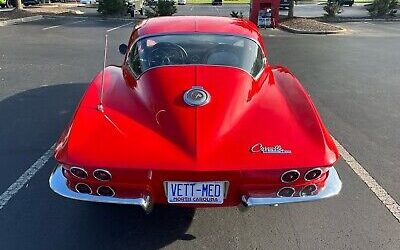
pixel 188 49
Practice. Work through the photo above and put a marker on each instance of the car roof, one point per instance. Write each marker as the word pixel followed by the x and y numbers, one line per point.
pixel 201 24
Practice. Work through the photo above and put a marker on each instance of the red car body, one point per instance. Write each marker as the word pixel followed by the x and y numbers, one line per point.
pixel 252 130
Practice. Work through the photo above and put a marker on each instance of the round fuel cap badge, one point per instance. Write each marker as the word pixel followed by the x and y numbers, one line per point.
pixel 196 96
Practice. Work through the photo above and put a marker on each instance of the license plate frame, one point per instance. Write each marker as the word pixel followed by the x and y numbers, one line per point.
pixel 192 192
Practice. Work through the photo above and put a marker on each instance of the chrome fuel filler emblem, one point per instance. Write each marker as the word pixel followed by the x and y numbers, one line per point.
pixel 196 96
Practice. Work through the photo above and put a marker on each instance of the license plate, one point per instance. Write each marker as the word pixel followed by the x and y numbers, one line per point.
pixel 196 192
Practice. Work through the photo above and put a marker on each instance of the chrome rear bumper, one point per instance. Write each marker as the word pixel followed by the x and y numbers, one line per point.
pixel 332 187
pixel 58 183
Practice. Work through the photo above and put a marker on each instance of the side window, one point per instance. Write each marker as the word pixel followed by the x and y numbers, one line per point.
pixel 258 63
pixel 134 60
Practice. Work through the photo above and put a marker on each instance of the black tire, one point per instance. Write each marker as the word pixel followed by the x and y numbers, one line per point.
pixel 350 4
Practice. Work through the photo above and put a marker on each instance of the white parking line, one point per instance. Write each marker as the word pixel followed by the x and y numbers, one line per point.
pixel 56 26
pixel 372 184
pixel 25 177
pixel 118 27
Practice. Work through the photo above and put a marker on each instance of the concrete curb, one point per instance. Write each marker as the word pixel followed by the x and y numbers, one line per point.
pixel 96 18
pixel 21 20
pixel 297 31
pixel 358 20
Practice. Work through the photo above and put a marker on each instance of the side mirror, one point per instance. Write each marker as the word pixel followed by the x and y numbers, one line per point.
pixel 123 48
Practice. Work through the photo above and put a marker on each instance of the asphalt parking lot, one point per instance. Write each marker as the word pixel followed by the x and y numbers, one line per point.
pixel 353 79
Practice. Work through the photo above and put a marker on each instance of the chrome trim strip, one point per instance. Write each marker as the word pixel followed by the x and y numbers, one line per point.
pixel 332 187
pixel 58 183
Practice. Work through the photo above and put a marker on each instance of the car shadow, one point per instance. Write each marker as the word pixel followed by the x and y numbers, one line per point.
pixel 128 227
pixel 31 121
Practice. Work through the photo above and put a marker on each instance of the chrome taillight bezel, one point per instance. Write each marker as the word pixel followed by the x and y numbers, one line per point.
pixel 289 171
pixel 80 169
pixel 313 169
pixel 102 170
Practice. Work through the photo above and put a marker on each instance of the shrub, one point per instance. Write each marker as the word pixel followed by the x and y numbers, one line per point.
pixel 237 14
pixel 332 8
pixel 162 8
pixel 382 7
pixel 112 7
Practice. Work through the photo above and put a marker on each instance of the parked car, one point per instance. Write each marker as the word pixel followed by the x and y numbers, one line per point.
pixel 130 7
pixel 30 2
pixel 181 2
pixel 216 2
pixel 346 2
pixel 196 116
pixel 3 3
pixel 284 4
pixel 88 1
pixel 147 6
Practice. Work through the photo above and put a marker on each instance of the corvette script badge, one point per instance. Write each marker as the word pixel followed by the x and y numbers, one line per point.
pixel 196 96
pixel 259 148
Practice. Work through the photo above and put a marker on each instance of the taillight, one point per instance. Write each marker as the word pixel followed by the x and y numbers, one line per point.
pixel 83 188
pixel 308 190
pixel 286 192
pixel 102 175
pixel 290 176
pixel 313 174
pixel 105 191
pixel 78 172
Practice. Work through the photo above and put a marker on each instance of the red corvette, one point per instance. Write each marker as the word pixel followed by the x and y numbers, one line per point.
pixel 196 116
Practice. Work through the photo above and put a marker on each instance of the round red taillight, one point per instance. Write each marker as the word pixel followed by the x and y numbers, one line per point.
pixel 102 175
pixel 313 174
pixel 78 172
pixel 105 191
pixel 83 188
pixel 290 176
pixel 308 190
pixel 286 192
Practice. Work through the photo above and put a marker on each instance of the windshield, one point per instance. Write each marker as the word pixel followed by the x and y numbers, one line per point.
pixel 184 49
